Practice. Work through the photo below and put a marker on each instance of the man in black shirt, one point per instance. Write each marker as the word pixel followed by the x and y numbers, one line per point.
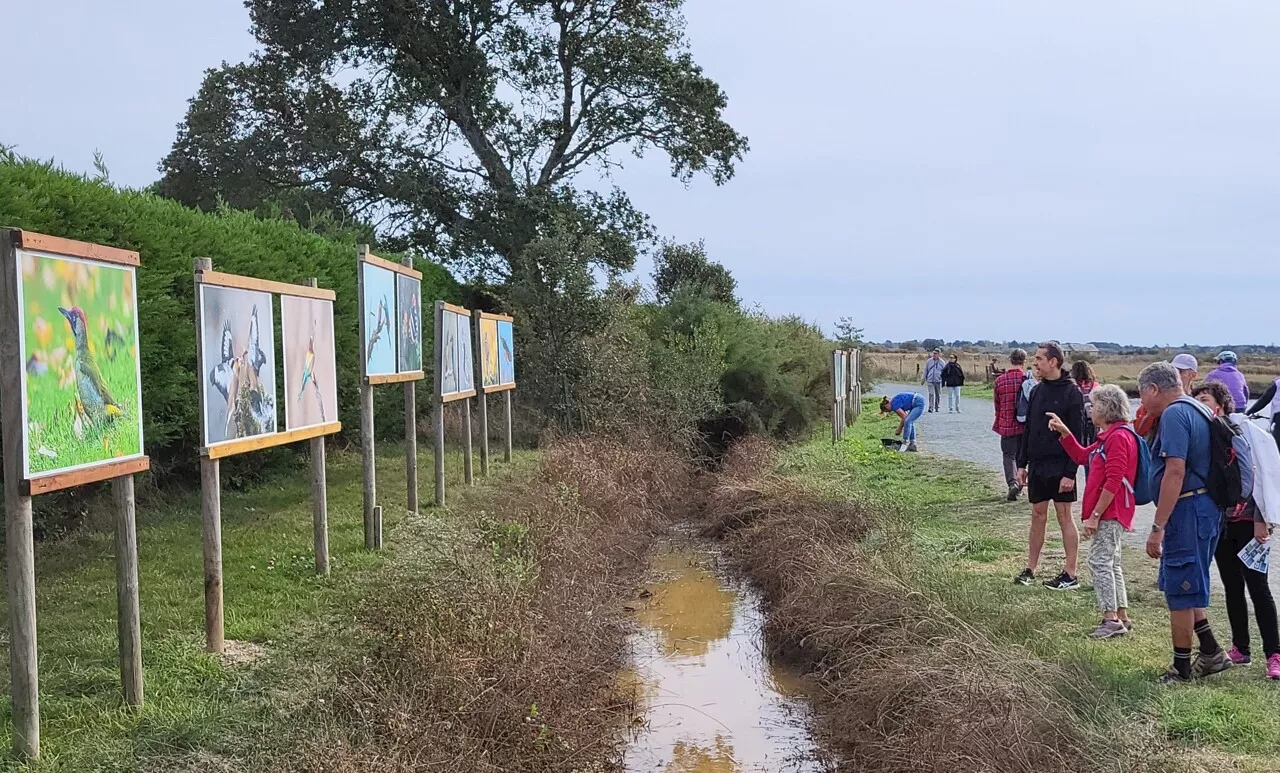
pixel 1044 467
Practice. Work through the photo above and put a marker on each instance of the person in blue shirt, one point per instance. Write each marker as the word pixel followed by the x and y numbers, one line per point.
pixel 1185 532
pixel 909 406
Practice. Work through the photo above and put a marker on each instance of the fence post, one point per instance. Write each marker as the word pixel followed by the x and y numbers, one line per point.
pixel 128 615
pixel 411 428
pixel 506 402
pixel 319 494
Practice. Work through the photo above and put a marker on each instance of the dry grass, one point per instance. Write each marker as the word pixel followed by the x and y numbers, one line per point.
pixel 502 653
pixel 901 684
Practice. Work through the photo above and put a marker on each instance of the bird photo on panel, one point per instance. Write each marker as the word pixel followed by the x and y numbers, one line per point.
pixel 82 385
pixel 378 305
pixel 409 309
pixel 310 363
pixel 238 363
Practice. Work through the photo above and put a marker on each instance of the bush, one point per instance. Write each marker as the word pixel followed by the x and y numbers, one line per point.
pixel 41 197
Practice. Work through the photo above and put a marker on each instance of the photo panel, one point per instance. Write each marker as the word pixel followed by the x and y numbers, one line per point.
pixel 378 310
pixel 310 362
pixel 506 354
pixel 409 323
pixel 237 363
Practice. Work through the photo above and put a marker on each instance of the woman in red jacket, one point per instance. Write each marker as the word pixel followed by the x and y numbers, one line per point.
pixel 1108 500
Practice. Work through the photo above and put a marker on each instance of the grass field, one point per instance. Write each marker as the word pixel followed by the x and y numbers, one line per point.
pixel 294 622
pixel 968 545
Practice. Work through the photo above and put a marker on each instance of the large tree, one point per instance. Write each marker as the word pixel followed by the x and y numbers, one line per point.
pixel 454 126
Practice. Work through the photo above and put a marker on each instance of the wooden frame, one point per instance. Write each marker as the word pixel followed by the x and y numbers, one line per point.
pixel 29 240
pixel 482 389
pixel 44 484
pixel 441 307
pixel 238 282
pixel 259 442
pixel 369 257
pixel 396 378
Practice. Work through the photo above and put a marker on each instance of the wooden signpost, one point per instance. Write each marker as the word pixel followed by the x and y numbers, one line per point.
pixel 236 352
pixel 71 415
pixel 390 353
pixel 495 364
pixel 454 369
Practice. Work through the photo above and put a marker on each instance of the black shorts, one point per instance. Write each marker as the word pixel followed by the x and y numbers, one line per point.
pixel 1044 488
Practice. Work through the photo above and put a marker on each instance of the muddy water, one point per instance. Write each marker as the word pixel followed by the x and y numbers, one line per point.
pixel 709 701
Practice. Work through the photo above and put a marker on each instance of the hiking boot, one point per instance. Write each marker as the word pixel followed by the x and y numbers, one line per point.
pixel 1273 666
pixel 912 447
pixel 1172 678
pixel 1063 581
pixel 1208 665
pixel 1239 658
pixel 1026 578
pixel 1109 628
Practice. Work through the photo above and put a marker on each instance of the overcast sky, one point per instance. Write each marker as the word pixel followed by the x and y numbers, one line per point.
pixel 957 169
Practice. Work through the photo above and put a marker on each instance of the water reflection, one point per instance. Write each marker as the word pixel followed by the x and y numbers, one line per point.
pixel 710 701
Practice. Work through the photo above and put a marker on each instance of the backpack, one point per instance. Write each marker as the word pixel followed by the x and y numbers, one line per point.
pixel 1024 399
pixel 1230 461
pixel 1141 489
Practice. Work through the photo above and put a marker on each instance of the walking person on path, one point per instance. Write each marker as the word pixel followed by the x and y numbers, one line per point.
pixel 1243 525
pixel 1005 393
pixel 932 379
pixel 1184 535
pixel 1045 468
pixel 909 406
pixel 1228 374
pixel 1108 500
pixel 952 380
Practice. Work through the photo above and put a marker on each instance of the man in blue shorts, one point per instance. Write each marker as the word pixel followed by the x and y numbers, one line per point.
pixel 1185 533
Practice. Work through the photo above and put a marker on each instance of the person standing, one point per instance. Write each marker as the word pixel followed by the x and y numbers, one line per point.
pixel 908 406
pixel 1187 368
pixel 1082 373
pixel 1044 466
pixel 1005 394
pixel 1184 534
pixel 1108 500
pixel 933 380
pixel 1271 398
pixel 1228 374
pixel 1243 525
pixel 952 380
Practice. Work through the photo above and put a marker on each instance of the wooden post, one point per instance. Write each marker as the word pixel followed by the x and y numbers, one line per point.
pixel 210 512
pixel 319 494
pixel 377 527
pixel 468 473
pixel 20 572
pixel 506 420
pixel 371 538
pixel 128 620
pixel 437 401
pixel 482 400
pixel 411 429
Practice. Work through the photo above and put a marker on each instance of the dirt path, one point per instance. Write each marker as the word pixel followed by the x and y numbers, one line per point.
pixel 968 436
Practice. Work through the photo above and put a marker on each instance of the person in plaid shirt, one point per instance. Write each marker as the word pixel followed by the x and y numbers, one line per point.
pixel 1007 388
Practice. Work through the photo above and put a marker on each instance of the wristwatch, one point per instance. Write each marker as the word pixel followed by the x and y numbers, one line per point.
pixel 1156 528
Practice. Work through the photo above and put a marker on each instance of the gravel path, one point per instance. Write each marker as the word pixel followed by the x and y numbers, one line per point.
pixel 968 436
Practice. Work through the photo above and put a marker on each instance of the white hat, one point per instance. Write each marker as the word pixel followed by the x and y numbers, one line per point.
pixel 1186 362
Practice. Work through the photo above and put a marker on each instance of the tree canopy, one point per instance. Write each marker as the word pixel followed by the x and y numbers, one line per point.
pixel 454 126
pixel 686 268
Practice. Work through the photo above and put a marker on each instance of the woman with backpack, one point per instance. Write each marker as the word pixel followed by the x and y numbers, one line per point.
pixel 1109 500
pixel 952 380
pixel 1242 525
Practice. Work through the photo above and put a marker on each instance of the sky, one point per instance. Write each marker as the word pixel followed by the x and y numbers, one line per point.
pixel 953 169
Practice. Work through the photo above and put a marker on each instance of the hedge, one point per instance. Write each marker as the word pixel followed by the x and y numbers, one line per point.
pixel 40 197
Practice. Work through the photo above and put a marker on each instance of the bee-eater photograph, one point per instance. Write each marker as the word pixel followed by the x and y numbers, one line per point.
pixel 82 381
pixel 409 327
pixel 488 352
pixel 237 363
pixel 310 362
pixel 378 309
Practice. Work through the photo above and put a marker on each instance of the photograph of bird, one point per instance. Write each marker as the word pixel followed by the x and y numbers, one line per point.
pixel 250 411
pixel 382 321
pixel 94 396
pixel 309 374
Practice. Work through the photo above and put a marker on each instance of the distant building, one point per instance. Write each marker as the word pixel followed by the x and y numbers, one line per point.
pixel 1070 349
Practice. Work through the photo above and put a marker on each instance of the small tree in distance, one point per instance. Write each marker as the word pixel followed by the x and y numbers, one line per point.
pixel 685 268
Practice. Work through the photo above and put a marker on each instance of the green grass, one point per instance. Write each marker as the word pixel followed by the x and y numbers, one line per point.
pixel 273 598
pixel 968 544
pixel 106 295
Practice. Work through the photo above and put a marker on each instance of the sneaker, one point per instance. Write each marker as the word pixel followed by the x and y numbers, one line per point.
pixel 1026 578
pixel 1239 658
pixel 1063 581
pixel 1128 625
pixel 1109 628
pixel 1273 666
pixel 1015 491
pixel 1208 665
pixel 912 447
pixel 1172 678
